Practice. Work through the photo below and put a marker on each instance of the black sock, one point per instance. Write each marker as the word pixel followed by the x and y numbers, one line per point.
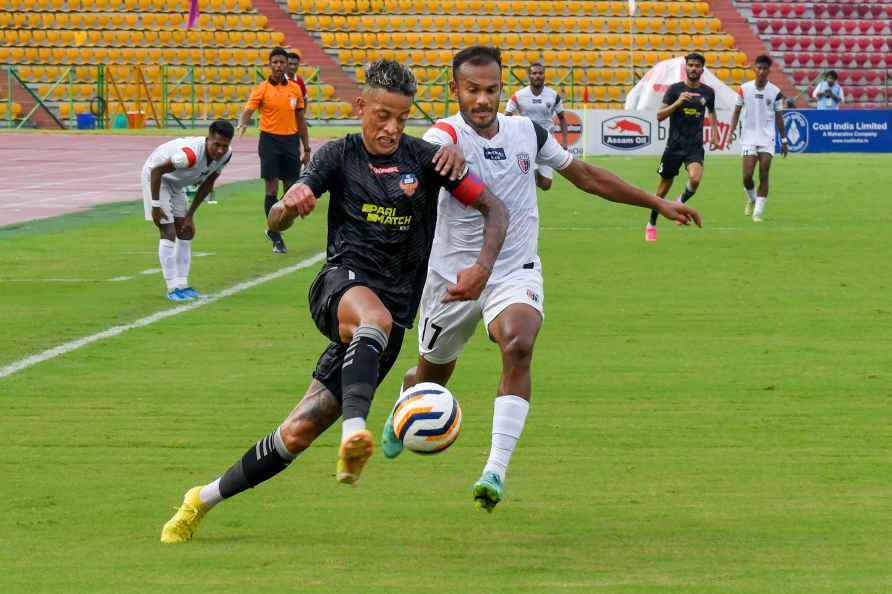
pixel 264 460
pixel 268 203
pixel 359 372
pixel 653 217
pixel 687 194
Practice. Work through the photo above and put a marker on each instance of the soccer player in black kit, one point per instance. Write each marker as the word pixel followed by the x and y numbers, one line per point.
pixel 685 103
pixel 383 189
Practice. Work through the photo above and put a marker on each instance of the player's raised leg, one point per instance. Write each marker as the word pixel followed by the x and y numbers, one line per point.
pixel 749 185
pixel 762 194
pixel 265 459
pixel 514 330
pixel 365 323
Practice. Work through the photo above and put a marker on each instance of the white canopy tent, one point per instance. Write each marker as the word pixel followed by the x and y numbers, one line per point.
pixel 648 93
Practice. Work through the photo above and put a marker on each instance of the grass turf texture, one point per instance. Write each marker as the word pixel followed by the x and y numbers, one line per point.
pixel 710 412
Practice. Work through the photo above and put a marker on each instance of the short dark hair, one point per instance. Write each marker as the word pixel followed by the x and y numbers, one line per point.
pixel 278 51
pixel 478 55
pixel 294 56
pixel 696 57
pixel 764 59
pixel 221 128
pixel 535 65
pixel 831 73
pixel 390 76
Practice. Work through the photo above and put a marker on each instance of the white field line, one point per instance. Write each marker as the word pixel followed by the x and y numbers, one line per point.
pixel 116 330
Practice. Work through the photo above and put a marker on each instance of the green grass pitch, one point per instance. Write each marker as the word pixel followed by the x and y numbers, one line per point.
pixel 710 412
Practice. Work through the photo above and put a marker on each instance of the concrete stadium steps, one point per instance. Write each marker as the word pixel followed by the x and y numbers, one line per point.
pixel 296 37
pixel 748 42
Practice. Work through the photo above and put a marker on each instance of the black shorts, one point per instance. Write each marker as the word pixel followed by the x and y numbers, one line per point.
pixel 671 161
pixel 279 156
pixel 325 294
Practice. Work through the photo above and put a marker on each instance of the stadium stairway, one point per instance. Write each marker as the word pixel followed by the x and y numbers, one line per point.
pixel 41 118
pixel 749 43
pixel 296 37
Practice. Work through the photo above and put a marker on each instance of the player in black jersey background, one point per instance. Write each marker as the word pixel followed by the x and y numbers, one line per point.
pixel 685 103
pixel 383 189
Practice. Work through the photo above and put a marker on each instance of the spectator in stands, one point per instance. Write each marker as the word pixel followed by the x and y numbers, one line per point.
pixel 291 72
pixel 828 93
pixel 283 128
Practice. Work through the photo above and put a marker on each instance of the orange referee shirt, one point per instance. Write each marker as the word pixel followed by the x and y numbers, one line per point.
pixel 277 103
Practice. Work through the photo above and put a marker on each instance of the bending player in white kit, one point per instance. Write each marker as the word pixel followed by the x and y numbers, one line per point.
pixel 169 170
pixel 761 103
pixel 540 104
pixel 501 151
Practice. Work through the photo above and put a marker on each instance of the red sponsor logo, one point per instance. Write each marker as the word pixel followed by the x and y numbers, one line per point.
pixel 626 126
pixel 384 170
pixel 724 129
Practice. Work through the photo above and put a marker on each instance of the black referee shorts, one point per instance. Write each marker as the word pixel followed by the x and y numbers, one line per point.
pixel 279 156
pixel 325 294
pixel 671 161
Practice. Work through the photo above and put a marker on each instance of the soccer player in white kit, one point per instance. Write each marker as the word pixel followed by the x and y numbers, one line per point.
pixel 173 166
pixel 761 103
pixel 540 104
pixel 501 151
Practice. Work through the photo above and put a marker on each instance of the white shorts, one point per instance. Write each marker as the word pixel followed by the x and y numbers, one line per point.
pixel 444 328
pixel 753 150
pixel 545 171
pixel 172 202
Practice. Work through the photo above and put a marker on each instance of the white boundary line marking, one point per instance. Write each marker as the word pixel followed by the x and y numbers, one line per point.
pixel 155 317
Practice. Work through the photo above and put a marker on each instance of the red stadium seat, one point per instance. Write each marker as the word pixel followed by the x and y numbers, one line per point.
pixel 763 26
pixel 877 43
pixel 835 27
pixel 871 76
pixel 758 9
pixel 850 27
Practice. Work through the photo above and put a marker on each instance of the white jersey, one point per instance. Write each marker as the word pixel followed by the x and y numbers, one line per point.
pixel 757 117
pixel 505 164
pixel 540 108
pixel 189 158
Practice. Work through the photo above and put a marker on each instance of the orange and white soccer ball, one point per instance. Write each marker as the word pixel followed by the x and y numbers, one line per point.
pixel 427 418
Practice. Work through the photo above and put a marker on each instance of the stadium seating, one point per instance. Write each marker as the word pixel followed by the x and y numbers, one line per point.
pixel 228 52
pixel 811 37
pixel 590 47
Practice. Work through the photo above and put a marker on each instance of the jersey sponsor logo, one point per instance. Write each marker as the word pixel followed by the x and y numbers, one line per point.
pixel 692 111
pixel 408 184
pixel 626 133
pixel 494 154
pixel 797 131
pixel 536 101
pixel 383 170
pixel 523 161
pixel 534 297
pixel 387 216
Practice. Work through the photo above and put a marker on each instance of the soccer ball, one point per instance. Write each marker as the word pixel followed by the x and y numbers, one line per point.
pixel 427 418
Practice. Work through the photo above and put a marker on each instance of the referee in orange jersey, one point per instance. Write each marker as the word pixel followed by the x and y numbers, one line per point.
pixel 282 122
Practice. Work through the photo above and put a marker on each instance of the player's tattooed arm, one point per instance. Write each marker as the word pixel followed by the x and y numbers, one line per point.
pixel 298 201
pixel 605 184
pixel 472 280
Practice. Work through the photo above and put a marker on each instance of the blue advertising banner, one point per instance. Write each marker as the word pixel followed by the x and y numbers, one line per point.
pixel 839 131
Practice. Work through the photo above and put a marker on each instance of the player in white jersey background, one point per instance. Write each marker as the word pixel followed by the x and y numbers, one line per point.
pixel 541 104
pixel 761 103
pixel 501 151
pixel 169 170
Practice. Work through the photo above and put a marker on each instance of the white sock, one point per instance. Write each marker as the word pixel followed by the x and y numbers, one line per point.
pixel 351 426
pixel 184 261
pixel 210 493
pixel 751 194
pixel 508 418
pixel 760 206
pixel 167 257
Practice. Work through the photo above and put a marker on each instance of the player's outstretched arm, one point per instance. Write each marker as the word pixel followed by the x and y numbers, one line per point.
pixel 601 182
pixel 471 281
pixel 298 201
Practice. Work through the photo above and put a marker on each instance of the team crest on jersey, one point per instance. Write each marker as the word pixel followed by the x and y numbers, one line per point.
pixel 408 184
pixel 523 161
